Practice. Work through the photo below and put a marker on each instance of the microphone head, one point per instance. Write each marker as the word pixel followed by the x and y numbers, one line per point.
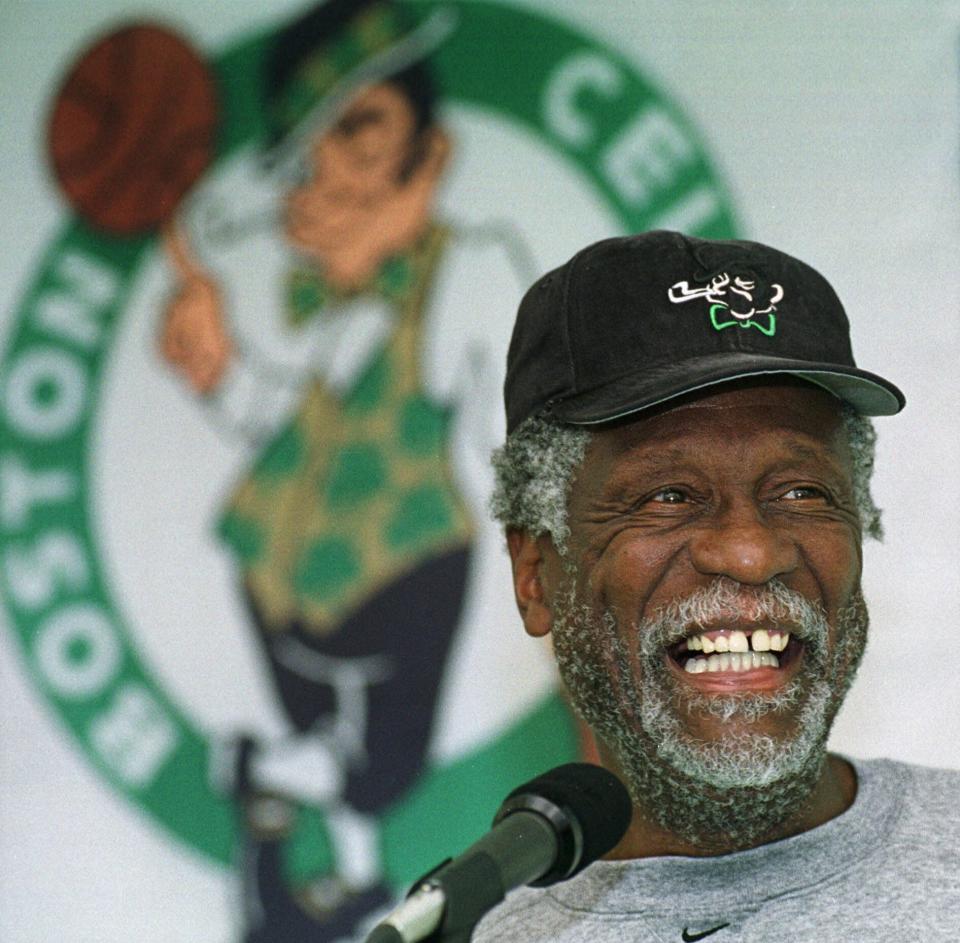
pixel 588 806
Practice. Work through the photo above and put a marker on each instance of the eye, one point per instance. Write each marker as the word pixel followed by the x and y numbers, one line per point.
pixel 355 121
pixel 669 496
pixel 805 493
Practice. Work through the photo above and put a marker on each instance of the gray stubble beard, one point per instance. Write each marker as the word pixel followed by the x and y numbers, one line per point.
pixel 742 789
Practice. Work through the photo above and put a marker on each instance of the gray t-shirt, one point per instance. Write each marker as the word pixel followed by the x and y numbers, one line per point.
pixel 888 869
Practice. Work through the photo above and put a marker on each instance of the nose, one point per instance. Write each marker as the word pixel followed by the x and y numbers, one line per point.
pixel 741 544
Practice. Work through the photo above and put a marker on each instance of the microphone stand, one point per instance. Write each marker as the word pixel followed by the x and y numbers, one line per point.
pixel 545 831
pixel 467 893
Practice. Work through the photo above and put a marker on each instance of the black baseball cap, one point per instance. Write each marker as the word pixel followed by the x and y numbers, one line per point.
pixel 633 321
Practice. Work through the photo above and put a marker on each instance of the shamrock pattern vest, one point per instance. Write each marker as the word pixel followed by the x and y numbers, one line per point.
pixel 356 490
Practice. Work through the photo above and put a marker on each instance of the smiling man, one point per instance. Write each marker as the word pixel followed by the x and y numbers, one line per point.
pixel 685 488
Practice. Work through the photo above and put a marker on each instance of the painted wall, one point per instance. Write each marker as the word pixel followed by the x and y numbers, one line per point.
pixel 829 130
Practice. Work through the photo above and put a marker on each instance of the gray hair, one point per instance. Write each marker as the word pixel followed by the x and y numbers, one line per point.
pixel 536 467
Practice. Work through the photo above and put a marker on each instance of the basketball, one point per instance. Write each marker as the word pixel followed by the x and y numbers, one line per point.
pixel 132 127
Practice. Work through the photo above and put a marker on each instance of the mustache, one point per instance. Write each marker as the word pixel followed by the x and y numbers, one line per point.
pixel 724 601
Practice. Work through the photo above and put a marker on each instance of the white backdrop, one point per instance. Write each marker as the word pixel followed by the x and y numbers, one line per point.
pixel 835 127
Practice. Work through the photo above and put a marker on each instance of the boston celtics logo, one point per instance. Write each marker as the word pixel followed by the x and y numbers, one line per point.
pixel 734 301
pixel 264 354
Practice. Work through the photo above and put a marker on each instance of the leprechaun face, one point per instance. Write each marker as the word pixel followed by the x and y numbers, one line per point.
pixel 371 180
pixel 745 300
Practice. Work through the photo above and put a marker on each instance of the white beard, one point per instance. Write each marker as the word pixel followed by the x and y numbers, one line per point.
pixel 738 790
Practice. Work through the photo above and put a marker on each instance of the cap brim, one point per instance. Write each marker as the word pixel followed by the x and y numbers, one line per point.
pixel 868 393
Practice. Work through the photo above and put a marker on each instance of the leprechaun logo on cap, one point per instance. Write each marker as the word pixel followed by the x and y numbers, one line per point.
pixel 733 302
pixel 255 245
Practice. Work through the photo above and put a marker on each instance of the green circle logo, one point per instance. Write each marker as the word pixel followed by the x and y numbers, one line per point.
pixel 627 143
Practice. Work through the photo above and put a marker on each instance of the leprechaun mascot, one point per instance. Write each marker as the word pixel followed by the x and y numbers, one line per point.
pixel 353 528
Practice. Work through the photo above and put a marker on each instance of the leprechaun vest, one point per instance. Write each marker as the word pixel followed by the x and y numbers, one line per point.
pixel 356 490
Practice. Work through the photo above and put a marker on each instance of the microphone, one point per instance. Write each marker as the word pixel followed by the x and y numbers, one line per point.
pixel 546 831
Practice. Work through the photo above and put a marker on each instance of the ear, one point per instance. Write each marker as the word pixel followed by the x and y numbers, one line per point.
pixel 527 556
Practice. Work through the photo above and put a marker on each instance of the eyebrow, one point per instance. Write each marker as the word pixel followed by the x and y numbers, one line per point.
pixel 352 121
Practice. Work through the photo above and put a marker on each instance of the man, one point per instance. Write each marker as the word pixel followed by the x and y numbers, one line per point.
pixel 685 486
pixel 353 530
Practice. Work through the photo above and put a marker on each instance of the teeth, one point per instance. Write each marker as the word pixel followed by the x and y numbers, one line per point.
pixel 732 662
pixel 779 642
pixel 736 641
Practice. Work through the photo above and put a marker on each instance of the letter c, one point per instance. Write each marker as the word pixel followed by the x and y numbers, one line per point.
pixel 579 72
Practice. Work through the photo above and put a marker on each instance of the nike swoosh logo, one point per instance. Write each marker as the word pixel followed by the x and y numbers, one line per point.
pixel 689 937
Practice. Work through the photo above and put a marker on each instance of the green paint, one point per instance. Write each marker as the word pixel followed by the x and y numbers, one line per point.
pixel 243 536
pixel 308 853
pixel 421 512
pixel 421 426
pixel 368 391
pixel 327 568
pixel 358 473
pixel 283 457
pixel 395 277
pixel 306 296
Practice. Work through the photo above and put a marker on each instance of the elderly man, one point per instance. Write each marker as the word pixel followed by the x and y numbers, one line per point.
pixel 685 487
